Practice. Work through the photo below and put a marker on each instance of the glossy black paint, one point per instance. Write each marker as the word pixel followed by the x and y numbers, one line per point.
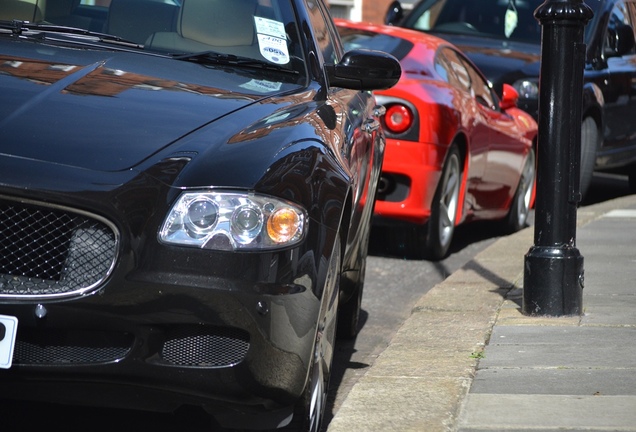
pixel 558 189
pixel 608 75
pixel 364 70
pixel 118 134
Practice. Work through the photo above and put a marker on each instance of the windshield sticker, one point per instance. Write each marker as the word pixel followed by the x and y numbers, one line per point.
pixel 261 86
pixel 273 49
pixel 510 19
pixel 270 27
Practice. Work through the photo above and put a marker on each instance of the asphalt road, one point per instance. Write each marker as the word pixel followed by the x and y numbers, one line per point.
pixel 393 285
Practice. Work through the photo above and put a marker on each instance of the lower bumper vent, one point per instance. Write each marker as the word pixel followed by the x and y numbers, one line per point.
pixel 202 346
pixel 55 347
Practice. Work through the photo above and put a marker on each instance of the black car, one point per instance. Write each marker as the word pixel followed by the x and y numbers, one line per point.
pixel 503 38
pixel 186 190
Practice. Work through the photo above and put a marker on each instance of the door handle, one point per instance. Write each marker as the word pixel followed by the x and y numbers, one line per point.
pixel 379 110
pixel 370 125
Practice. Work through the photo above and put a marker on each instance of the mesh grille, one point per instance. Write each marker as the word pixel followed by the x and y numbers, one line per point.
pixel 46 251
pixel 205 346
pixel 61 347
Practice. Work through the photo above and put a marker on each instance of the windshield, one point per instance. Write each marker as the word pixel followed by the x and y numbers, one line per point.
pixel 356 39
pixel 263 30
pixel 511 20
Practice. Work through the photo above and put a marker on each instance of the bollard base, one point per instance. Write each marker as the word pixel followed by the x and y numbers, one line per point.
pixel 553 282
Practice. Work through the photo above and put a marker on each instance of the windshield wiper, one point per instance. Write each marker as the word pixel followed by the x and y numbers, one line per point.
pixel 16 26
pixel 19 27
pixel 216 58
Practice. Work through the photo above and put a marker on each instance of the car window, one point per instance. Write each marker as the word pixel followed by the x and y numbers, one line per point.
pixel 619 15
pixel 505 20
pixel 324 32
pixel 502 19
pixel 452 70
pixel 458 72
pixel 479 86
pixel 623 13
pixel 355 39
pixel 258 29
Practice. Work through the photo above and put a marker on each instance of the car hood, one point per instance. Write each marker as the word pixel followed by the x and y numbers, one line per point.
pixel 109 111
pixel 500 61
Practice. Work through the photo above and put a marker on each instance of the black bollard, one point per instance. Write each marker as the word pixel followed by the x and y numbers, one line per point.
pixel 553 272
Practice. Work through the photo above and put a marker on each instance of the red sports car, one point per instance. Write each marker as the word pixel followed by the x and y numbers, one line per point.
pixel 456 151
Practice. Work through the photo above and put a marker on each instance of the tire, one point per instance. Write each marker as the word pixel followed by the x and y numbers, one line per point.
pixel 349 312
pixel 590 141
pixel 315 399
pixel 522 200
pixel 444 208
pixel 631 177
pixel 407 240
pixel 309 411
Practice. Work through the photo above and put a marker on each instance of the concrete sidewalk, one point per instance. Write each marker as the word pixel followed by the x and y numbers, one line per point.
pixel 467 360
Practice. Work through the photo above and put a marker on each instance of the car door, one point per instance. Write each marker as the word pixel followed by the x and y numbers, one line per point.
pixel 452 69
pixel 504 150
pixel 619 88
pixel 357 136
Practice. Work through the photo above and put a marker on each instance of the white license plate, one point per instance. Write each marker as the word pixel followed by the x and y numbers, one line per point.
pixel 9 329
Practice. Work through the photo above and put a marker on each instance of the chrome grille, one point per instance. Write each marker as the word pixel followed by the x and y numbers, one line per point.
pixel 203 346
pixel 52 251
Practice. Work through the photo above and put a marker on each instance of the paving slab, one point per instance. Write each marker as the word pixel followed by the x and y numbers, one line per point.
pixel 556 381
pixel 497 412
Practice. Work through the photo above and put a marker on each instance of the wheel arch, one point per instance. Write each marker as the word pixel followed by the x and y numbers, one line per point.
pixel 348 281
pixel 592 108
pixel 593 102
pixel 345 226
pixel 460 140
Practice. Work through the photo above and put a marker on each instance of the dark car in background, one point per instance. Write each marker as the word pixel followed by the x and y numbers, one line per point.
pixel 186 191
pixel 503 38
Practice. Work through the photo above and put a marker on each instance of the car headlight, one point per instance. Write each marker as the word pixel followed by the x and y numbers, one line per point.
pixel 528 88
pixel 233 221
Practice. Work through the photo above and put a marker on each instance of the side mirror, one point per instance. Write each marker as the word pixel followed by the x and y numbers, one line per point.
pixel 620 40
pixel 509 97
pixel 362 69
pixel 394 14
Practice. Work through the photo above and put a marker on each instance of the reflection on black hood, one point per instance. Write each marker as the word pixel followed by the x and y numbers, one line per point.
pixel 100 94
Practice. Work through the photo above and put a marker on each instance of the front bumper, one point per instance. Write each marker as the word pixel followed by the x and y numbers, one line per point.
pixel 164 326
pixel 147 342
